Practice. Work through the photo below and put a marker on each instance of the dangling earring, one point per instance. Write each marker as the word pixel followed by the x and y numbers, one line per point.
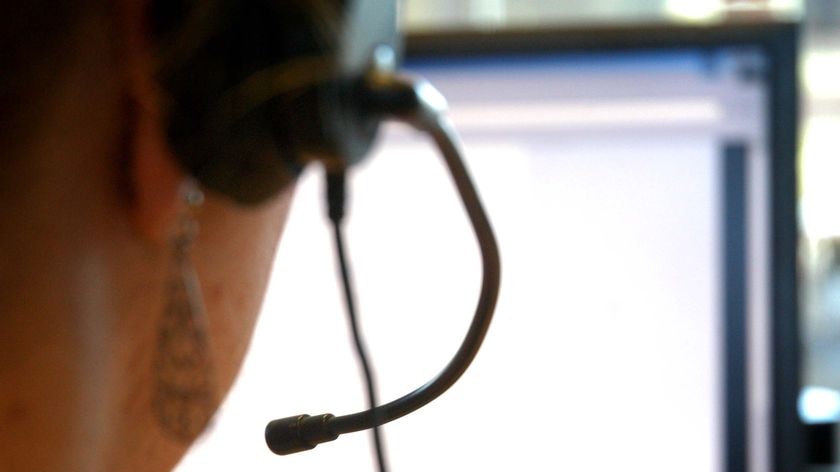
pixel 184 397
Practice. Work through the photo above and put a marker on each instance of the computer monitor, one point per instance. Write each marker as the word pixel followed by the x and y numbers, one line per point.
pixel 643 192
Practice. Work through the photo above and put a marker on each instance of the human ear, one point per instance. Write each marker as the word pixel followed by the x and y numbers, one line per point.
pixel 153 172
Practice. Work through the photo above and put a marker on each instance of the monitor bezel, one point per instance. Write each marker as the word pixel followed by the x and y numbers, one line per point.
pixel 778 41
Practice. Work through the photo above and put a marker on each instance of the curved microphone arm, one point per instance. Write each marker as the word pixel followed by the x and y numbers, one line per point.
pixel 420 105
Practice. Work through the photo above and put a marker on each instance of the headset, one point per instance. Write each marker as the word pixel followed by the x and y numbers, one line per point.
pixel 257 89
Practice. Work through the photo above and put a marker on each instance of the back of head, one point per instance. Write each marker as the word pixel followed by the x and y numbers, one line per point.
pixel 94 208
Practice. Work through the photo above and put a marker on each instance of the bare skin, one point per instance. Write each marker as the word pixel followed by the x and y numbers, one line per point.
pixel 87 217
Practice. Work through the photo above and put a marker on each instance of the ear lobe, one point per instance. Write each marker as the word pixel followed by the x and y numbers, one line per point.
pixel 155 177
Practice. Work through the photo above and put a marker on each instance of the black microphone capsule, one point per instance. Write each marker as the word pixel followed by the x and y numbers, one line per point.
pixel 298 433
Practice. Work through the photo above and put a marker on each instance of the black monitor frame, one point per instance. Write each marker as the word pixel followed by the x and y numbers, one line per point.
pixel 778 40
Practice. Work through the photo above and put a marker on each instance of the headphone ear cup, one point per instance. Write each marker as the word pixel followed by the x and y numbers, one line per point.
pixel 233 121
pixel 255 89
pixel 245 160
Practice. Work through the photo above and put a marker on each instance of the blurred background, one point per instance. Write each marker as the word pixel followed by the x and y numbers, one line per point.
pixel 819 156
pixel 595 402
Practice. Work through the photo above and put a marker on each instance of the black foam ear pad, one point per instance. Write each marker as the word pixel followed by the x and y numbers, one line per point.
pixel 255 89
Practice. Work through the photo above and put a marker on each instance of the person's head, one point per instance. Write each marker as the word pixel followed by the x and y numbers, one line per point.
pixel 90 194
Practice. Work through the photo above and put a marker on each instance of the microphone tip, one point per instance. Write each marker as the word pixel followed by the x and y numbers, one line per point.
pixel 298 433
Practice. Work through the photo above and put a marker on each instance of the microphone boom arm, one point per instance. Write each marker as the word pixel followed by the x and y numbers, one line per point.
pixel 420 105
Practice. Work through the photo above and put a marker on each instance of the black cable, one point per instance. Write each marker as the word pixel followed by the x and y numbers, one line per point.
pixel 335 198
pixel 441 131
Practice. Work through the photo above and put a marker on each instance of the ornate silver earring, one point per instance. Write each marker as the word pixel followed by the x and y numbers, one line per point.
pixel 184 397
